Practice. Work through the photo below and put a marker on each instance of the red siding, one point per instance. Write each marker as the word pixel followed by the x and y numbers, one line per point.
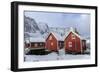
pixel 76 44
pixel 49 42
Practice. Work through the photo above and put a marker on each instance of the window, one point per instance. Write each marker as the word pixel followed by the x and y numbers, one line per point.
pixel 70 44
pixel 35 44
pixel 38 44
pixel 41 44
pixel 32 44
pixel 51 43
pixel 60 43
pixel 73 36
pixel 50 38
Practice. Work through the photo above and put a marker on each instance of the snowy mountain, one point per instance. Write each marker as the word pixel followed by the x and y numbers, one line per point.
pixel 58 30
pixel 43 27
pixel 34 29
pixel 30 25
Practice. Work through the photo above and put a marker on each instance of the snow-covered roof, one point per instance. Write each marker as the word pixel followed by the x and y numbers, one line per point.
pixel 37 33
pixel 35 39
pixel 57 36
pixel 71 30
pixel 88 41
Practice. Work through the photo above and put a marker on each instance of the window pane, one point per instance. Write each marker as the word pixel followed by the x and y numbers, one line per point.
pixel 70 44
pixel 73 36
pixel 51 43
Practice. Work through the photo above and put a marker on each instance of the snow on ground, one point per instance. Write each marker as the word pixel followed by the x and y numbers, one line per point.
pixel 55 56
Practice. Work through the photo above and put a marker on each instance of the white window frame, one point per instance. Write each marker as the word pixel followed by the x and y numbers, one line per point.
pixel 70 44
pixel 36 45
pixel 51 44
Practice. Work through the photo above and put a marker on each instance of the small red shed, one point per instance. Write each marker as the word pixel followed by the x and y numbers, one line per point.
pixel 74 43
pixel 54 42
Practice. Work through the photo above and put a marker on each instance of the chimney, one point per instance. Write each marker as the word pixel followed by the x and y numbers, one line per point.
pixel 72 29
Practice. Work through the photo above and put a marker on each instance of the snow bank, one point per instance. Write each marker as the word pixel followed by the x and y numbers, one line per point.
pixel 54 56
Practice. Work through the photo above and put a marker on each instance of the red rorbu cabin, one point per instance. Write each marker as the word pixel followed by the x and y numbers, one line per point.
pixel 74 43
pixel 54 42
pixel 35 43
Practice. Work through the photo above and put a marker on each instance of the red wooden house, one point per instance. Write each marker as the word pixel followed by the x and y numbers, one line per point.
pixel 35 43
pixel 74 43
pixel 54 42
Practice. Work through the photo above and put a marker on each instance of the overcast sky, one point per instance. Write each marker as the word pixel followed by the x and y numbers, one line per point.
pixel 76 20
